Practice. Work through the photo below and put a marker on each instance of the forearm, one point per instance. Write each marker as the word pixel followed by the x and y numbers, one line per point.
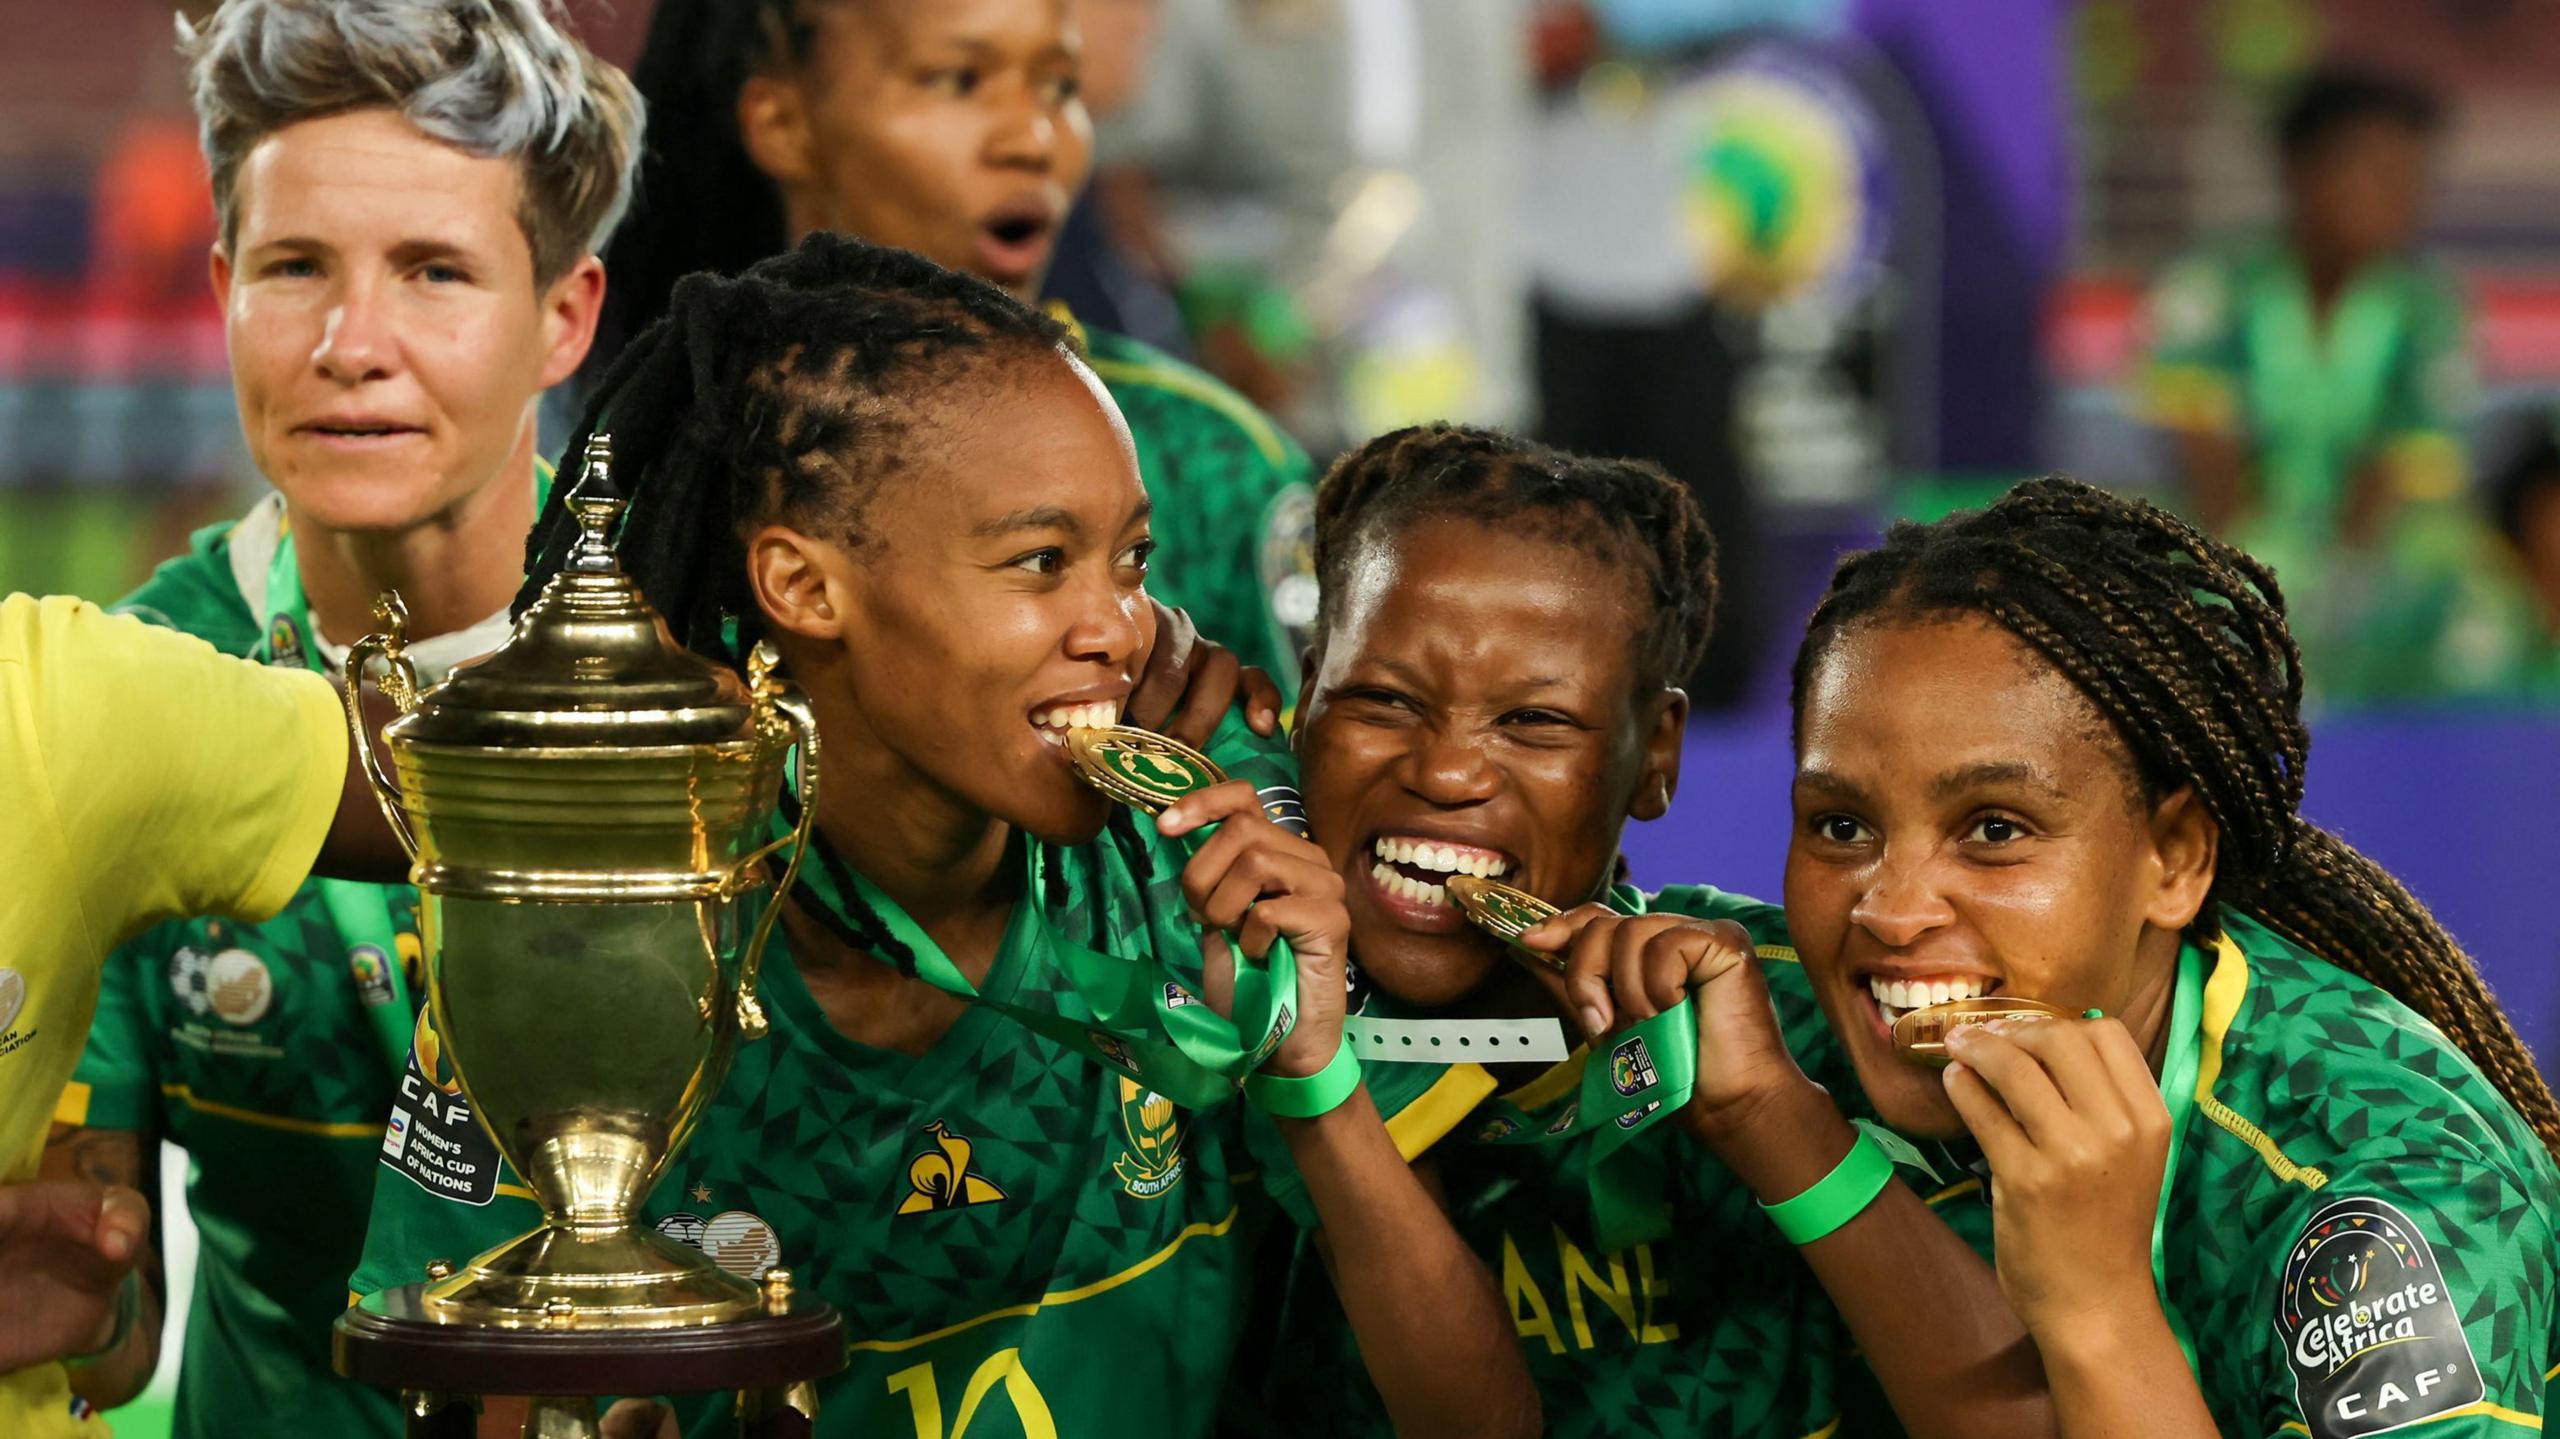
pixel 1926 1310
pixel 1430 1325
pixel 2122 1376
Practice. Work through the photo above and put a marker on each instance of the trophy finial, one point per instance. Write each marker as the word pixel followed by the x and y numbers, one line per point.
pixel 597 504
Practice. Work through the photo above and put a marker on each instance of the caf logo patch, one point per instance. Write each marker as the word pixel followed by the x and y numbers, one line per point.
pixel 372 971
pixel 1565 1120
pixel 1634 1117
pixel 940 1178
pixel 1497 1129
pixel 1175 996
pixel 2369 1326
pixel 1631 1070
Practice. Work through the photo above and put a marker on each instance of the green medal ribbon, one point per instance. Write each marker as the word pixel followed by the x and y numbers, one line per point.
pixel 1146 1024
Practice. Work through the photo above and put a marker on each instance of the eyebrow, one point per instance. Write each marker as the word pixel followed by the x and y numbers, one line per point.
pixel 1991 772
pixel 1829 783
pixel 1046 517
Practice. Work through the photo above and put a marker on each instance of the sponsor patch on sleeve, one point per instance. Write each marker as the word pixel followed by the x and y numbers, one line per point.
pixel 2373 1334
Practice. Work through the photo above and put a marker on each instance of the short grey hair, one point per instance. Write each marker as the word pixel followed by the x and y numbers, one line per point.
pixel 494 78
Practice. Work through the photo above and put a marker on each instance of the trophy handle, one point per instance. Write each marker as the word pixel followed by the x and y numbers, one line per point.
pixel 400 683
pixel 776 700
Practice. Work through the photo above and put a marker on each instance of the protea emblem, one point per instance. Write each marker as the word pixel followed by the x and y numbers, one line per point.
pixel 1154 1130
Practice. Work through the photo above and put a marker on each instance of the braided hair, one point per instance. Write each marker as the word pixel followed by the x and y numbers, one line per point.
pixel 2180 641
pixel 698 56
pixel 788 393
pixel 1619 510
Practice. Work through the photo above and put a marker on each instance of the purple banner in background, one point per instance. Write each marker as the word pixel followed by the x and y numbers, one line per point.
pixel 2458 808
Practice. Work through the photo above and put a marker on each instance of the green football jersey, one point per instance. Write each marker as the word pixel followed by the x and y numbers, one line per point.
pixel 2356 1231
pixel 1021 1241
pixel 1235 504
pixel 1718 1330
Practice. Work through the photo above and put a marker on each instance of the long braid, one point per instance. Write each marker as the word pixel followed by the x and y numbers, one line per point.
pixel 2180 642
pixel 1619 509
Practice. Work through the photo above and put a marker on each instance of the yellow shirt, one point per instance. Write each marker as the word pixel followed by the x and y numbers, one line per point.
pixel 143 776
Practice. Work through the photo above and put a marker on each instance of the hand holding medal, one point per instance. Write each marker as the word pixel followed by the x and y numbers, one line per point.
pixel 1266 885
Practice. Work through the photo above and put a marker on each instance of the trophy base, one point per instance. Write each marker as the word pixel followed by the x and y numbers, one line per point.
pixel 391 1341
pixel 558 1279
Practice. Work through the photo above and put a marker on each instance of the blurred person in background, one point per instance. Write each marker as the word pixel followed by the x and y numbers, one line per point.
pixel 410 196
pixel 959 132
pixel 2315 384
pixel 2525 498
pixel 1330 187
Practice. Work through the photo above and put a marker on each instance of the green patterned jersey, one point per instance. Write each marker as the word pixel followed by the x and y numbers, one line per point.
pixel 1235 507
pixel 1720 1330
pixel 1022 1243
pixel 268 1052
pixel 2357 1228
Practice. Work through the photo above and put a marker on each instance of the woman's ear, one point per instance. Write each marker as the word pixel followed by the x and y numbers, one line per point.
pixel 773 126
pixel 803 585
pixel 1660 778
pixel 2186 848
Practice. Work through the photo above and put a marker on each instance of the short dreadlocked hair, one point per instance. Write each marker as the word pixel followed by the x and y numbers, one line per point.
pixel 789 393
pixel 2180 642
pixel 1619 510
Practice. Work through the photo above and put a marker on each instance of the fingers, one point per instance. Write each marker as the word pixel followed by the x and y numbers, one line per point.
pixel 1261 700
pixel 1214 805
pixel 2067 1051
pixel 1204 701
pixel 124 1217
pixel 2003 1143
pixel 1991 1052
pixel 1167 672
pixel 65 1210
pixel 1647 977
pixel 1582 934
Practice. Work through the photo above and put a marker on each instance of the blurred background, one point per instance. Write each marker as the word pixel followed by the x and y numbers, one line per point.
pixel 1832 262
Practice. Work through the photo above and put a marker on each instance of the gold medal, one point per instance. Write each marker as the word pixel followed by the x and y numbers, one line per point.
pixel 1921 1035
pixel 1140 767
pixel 1505 912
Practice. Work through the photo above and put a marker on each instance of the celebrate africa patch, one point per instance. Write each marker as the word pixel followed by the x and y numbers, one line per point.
pixel 2370 1328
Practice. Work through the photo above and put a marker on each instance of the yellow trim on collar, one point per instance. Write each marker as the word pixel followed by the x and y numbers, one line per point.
pixel 1442 1107
pixel 2223 993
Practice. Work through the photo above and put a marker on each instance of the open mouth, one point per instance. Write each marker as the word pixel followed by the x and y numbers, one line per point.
pixel 1053 722
pixel 1416 869
pixel 1016 241
pixel 1896 997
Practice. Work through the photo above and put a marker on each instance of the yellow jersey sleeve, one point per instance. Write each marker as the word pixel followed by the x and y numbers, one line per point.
pixel 178 780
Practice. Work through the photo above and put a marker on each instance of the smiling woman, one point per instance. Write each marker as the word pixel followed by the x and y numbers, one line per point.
pixel 2298 1181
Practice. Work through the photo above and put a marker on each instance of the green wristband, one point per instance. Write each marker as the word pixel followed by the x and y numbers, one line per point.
pixel 1319 1093
pixel 1837 1197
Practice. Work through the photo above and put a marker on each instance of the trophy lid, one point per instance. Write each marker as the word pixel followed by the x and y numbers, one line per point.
pixel 590 665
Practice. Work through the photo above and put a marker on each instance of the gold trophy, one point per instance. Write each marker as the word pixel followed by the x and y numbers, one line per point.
pixel 588 809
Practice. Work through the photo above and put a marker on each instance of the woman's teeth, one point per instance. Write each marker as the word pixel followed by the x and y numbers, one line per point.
pixel 1898 997
pixel 1443 858
pixel 1054 723
pixel 1433 896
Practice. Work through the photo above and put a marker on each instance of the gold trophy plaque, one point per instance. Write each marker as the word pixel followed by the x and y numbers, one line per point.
pixel 588 809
